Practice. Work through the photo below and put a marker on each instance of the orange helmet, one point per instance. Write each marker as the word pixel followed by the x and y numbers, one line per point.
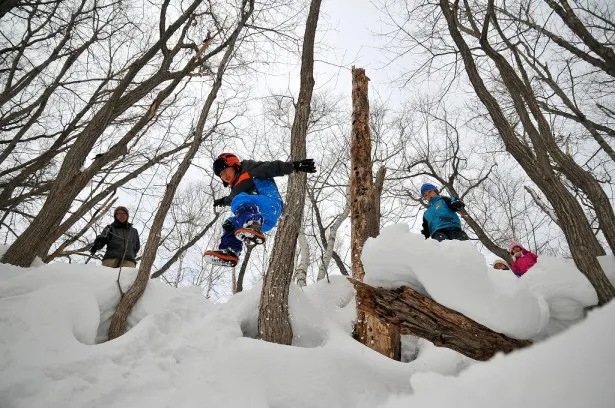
pixel 225 160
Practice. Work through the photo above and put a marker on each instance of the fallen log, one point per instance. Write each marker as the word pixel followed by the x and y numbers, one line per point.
pixel 419 315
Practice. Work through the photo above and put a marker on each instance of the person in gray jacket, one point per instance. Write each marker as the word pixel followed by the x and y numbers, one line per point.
pixel 121 239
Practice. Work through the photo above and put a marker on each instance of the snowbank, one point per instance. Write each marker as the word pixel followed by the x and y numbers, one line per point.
pixel 181 351
pixel 549 297
pixel 574 369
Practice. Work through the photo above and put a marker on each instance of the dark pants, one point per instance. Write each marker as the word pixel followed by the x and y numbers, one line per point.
pixel 450 233
pixel 244 213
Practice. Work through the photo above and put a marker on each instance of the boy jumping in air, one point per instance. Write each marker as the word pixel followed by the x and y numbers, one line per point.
pixel 254 200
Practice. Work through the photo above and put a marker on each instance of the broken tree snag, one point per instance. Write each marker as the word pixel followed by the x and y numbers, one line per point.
pixel 379 335
pixel 363 214
pixel 422 316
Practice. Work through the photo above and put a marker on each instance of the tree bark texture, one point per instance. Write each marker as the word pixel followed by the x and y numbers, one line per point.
pixel 273 320
pixel 421 316
pixel 378 334
pixel 378 187
pixel 130 298
pixel 363 215
pixel 304 260
pixel 536 161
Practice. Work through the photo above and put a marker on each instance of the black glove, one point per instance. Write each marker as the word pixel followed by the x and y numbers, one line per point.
pixel 425 230
pixel 457 205
pixel 219 202
pixel 93 250
pixel 306 166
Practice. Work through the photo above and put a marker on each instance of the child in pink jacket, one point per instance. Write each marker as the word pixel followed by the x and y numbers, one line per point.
pixel 523 259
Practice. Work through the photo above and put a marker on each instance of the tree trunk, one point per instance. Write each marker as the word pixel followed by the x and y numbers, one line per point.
pixel 568 16
pixel 378 187
pixel 304 260
pixel 273 321
pixel 362 193
pixel 130 298
pixel 418 315
pixel 378 334
pixel 242 270
pixel 372 331
pixel 536 162
pixel 233 281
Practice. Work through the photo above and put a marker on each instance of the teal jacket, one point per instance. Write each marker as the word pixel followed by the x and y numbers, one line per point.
pixel 441 214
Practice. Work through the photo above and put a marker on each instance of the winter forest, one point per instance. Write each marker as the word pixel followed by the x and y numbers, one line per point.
pixel 503 112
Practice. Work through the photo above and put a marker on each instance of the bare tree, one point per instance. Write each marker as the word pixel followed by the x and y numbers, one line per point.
pixel 118 321
pixel 273 320
pixel 73 176
pixel 535 158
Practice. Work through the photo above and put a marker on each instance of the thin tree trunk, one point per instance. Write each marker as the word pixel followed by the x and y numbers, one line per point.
pixel 118 321
pixel 242 271
pixel 180 268
pixel 233 281
pixel 273 321
pixel 323 234
pixel 568 16
pixel 378 187
pixel 330 243
pixel 304 259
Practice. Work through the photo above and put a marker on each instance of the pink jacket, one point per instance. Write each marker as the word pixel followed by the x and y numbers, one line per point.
pixel 523 263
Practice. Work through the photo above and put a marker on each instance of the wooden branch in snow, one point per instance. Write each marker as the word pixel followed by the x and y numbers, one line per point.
pixel 419 315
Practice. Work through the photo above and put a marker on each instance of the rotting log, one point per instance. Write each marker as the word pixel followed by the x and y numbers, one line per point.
pixel 419 315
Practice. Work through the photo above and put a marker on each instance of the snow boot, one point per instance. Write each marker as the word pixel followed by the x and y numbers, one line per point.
pixel 251 233
pixel 222 257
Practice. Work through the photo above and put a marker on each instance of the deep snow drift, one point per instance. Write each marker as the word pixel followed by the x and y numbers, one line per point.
pixel 183 351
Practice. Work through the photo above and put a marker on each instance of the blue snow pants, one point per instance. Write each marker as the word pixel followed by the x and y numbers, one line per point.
pixel 249 207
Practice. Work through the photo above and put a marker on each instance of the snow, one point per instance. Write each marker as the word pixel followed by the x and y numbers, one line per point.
pixel 574 369
pixel 183 351
pixel 548 298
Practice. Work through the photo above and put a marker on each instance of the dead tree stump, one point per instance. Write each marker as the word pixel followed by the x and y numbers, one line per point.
pixel 413 313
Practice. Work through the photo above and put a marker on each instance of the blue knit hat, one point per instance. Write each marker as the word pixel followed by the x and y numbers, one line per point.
pixel 428 187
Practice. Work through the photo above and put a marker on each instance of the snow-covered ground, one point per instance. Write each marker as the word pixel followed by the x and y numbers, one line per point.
pixel 183 351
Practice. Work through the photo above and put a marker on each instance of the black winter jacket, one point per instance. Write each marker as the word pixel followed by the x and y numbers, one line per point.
pixel 122 241
pixel 250 170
